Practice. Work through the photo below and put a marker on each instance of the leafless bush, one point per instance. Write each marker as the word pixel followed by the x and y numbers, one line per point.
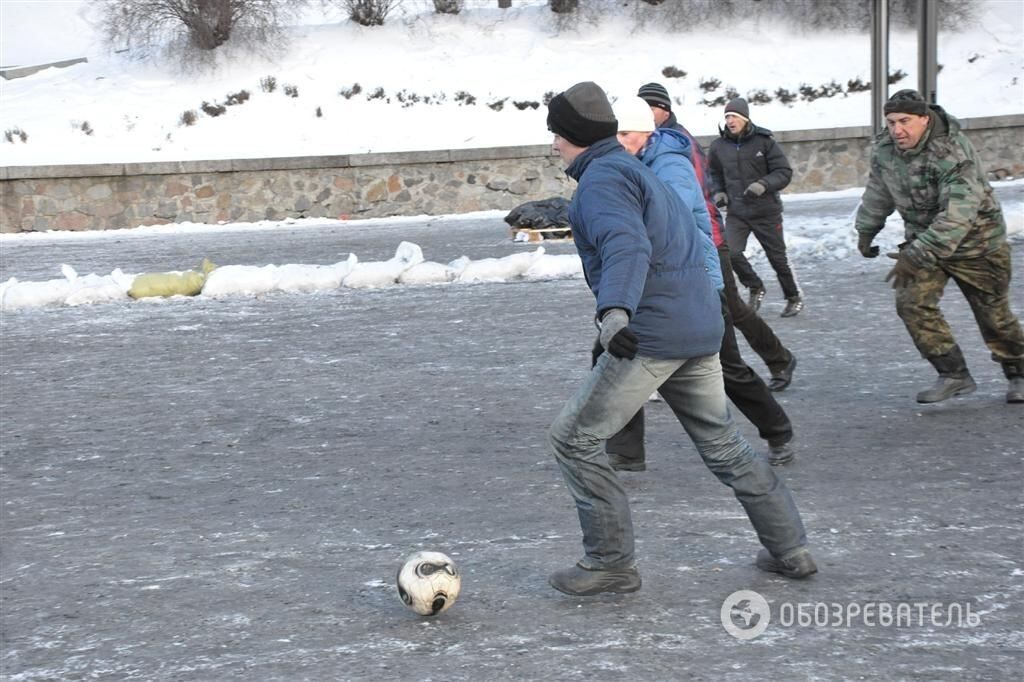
pixel 349 93
pixel 188 118
pixel 369 12
pixel 673 72
pixel 239 97
pixel 291 90
pixel 194 28
pixel 268 84
pixel 448 6
pixel 896 76
pixel 212 110
pixel 12 133
pixel 710 84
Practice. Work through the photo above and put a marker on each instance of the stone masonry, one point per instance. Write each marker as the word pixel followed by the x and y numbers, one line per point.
pixel 111 196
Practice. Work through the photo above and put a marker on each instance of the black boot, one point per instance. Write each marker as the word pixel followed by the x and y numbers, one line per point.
pixel 954 378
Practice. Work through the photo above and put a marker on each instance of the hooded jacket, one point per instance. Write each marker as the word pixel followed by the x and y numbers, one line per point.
pixel 669 154
pixel 626 227
pixel 753 156
pixel 700 166
pixel 939 189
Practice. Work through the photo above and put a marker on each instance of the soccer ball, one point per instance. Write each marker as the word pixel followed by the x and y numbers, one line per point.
pixel 429 583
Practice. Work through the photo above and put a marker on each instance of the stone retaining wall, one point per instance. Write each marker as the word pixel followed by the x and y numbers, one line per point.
pixel 108 196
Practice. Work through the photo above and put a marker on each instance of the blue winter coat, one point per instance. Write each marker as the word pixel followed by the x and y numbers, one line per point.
pixel 626 227
pixel 669 154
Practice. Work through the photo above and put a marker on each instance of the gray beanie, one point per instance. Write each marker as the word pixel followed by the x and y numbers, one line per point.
pixel 738 106
pixel 582 115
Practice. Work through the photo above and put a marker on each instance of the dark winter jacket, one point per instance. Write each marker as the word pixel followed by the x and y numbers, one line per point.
pixel 700 166
pixel 754 156
pixel 939 189
pixel 641 251
pixel 668 154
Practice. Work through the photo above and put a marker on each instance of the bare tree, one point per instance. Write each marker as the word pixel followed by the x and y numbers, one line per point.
pixel 369 12
pixel 563 6
pixel 202 25
pixel 448 6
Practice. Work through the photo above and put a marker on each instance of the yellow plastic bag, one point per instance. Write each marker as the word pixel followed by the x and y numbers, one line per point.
pixel 187 283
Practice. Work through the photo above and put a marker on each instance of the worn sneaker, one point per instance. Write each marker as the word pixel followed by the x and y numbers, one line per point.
pixel 584 582
pixel 799 565
pixel 794 305
pixel 947 387
pixel 757 295
pixel 784 377
pixel 620 463
pixel 780 454
pixel 1015 393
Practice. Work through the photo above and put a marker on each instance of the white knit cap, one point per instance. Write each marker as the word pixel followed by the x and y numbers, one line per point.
pixel 634 115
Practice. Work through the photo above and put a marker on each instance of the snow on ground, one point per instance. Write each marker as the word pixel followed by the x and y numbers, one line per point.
pixel 515 55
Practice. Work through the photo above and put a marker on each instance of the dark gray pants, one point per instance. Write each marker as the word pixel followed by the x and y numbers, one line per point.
pixel 768 232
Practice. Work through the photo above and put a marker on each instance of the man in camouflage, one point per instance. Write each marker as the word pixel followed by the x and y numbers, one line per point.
pixel 925 168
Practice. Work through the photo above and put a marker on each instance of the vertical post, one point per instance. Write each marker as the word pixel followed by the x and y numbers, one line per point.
pixel 879 62
pixel 927 49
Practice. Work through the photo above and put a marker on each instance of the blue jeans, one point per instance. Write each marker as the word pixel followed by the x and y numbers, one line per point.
pixel 613 392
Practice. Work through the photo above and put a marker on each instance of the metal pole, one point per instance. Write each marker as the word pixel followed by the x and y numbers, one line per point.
pixel 927 49
pixel 879 61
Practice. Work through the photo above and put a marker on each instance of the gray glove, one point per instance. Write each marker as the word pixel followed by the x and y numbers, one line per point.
pixel 755 189
pixel 912 258
pixel 865 248
pixel 616 336
pixel 721 199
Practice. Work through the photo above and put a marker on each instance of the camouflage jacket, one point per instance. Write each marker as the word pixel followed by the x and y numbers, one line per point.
pixel 939 189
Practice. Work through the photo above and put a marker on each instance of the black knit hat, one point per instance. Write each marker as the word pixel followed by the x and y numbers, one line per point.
pixel 738 106
pixel 582 115
pixel 906 102
pixel 655 95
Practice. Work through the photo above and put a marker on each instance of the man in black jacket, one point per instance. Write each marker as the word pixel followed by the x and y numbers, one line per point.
pixel 748 170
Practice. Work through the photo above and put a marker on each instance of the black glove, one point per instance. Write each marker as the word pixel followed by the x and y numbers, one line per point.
pixel 616 336
pixel 755 189
pixel 911 258
pixel 721 199
pixel 865 248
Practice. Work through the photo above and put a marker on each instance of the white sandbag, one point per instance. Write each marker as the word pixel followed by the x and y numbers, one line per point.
pixel 384 273
pixel 240 280
pixel 500 269
pixel 551 266
pixel 18 295
pixel 295 277
pixel 428 272
pixel 94 288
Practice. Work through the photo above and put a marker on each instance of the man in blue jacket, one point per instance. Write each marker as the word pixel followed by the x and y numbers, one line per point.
pixel 660 322
pixel 761 337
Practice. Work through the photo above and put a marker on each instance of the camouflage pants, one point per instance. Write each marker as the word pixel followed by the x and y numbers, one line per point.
pixel 985 283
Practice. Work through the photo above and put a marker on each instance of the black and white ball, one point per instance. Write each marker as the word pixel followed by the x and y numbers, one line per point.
pixel 429 583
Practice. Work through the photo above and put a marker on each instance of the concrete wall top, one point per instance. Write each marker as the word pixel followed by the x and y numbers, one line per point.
pixel 405 158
